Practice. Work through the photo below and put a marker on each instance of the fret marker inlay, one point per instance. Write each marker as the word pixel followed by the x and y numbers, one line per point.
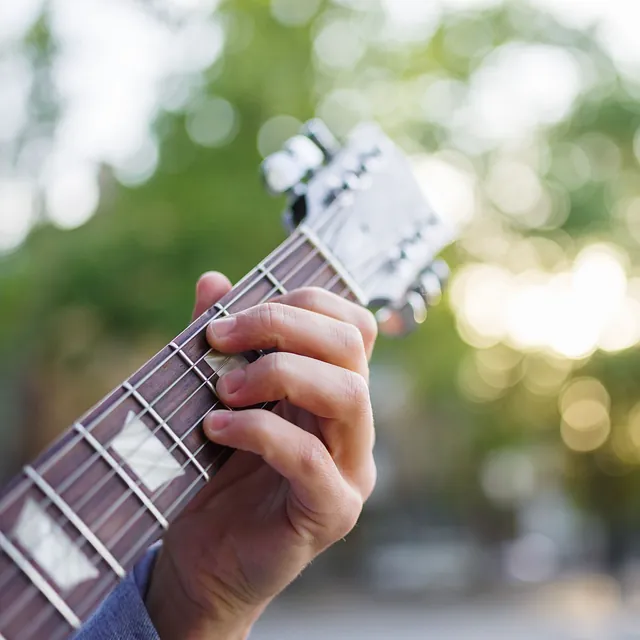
pixel 145 454
pixel 221 364
pixel 52 548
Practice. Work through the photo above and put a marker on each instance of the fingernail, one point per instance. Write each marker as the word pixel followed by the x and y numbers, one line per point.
pixel 216 421
pixel 222 327
pixel 231 382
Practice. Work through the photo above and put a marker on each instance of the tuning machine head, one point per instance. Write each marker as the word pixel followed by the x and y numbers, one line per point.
pixel 284 170
pixel 318 132
pixel 287 170
pixel 360 203
pixel 396 320
pixel 317 173
pixel 432 282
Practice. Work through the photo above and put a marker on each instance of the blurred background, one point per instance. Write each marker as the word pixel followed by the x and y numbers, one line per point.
pixel 508 502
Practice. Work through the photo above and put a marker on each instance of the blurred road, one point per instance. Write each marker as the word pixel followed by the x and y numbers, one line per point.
pixel 551 613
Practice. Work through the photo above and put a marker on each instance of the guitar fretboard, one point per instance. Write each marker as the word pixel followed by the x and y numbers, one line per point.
pixel 79 517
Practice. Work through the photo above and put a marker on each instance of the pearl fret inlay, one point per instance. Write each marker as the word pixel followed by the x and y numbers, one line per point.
pixel 145 454
pixel 221 363
pixel 51 547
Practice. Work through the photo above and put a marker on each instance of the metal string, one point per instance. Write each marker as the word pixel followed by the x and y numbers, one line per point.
pixel 176 503
pixel 281 253
pixel 106 581
pixel 14 493
pixel 26 483
pixel 150 405
pixel 110 475
pixel 124 529
pixel 76 475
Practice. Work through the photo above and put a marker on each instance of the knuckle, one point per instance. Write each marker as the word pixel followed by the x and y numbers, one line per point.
pixel 356 390
pixel 312 456
pixel 270 315
pixel 276 365
pixel 349 337
pixel 347 513
pixel 369 327
pixel 308 297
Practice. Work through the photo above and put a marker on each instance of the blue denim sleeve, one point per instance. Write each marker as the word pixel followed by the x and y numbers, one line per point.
pixel 123 615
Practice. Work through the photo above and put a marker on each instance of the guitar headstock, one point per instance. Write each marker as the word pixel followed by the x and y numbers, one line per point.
pixel 364 204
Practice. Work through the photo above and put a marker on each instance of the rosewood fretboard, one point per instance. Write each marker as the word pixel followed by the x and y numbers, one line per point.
pixel 78 518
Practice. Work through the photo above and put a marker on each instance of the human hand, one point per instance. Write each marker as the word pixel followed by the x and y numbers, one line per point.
pixel 300 476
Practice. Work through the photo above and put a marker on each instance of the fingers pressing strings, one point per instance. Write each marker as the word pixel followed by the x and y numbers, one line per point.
pixel 338 396
pixel 328 304
pixel 291 329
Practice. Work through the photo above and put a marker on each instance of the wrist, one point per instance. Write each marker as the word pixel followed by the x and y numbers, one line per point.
pixel 183 613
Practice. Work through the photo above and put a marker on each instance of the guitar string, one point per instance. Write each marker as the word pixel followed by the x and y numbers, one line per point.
pixel 94 457
pixel 26 483
pixel 329 285
pixel 18 490
pixel 141 545
pixel 79 542
pixel 199 478
pixel 90 599
pixel 329 216
pixel 166 419
pixel 150 406
pixel 180 499
pixel 298 242
pixel 279 255
pixel 336 278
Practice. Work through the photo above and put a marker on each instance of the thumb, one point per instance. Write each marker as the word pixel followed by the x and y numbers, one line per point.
pixel 210 287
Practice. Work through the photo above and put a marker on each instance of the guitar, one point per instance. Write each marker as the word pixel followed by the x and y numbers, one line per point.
pixel 79 517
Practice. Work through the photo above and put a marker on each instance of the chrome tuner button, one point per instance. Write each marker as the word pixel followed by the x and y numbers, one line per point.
pixel 306 153
pixel 399 321
pixel 281 172
pixel 441 269
pixel 317 131
pixel 430 288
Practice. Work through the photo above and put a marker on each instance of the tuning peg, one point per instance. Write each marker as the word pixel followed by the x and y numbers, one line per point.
pixel 430 287
pixel 432 282
pixel 317 131
pixel 399 321
pixel 441 269
pixel 281 172
pixel 307 154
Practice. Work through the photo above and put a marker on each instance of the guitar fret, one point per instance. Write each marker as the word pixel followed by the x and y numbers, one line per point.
pixel 113 463
pixel 338 268
pixel 222 309
pixel 274 281
pixel 77 522
pixel 192 366
pixel 39 581
pixel 167 429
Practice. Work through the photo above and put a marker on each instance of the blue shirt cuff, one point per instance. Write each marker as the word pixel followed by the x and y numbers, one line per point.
pixel 123 615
